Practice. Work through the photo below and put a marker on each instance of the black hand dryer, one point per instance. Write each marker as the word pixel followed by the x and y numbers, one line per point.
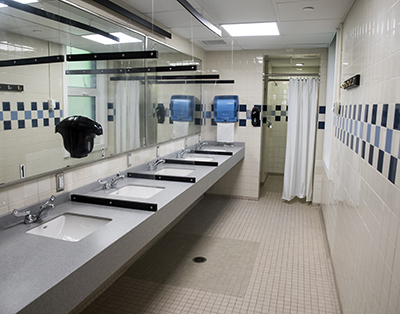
pixel 78 133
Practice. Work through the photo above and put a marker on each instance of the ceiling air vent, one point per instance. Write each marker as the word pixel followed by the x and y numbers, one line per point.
pixel 212 42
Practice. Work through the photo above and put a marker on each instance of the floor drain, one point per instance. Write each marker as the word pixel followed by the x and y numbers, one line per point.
pixel 199 259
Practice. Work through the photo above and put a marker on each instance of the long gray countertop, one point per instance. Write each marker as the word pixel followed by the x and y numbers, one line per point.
pixel 45 275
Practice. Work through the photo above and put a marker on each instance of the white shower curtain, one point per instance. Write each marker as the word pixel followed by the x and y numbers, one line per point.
pixel 300 141
pixel 127 120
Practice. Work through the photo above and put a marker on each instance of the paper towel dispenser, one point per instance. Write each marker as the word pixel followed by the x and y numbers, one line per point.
pixel 78 134
pixel 226 108
pixel 182 107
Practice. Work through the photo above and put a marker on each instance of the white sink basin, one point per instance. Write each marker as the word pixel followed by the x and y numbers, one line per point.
pixel 174 172
pixel 69 227
pixel 194 158
pixel 138 191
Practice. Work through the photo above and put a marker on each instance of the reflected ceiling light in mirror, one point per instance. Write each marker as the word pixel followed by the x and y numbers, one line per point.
pixel 20 1
pixel 252 29
pixel 123 39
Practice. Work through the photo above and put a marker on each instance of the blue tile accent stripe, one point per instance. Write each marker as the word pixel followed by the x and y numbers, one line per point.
pixel 378 133
pixel 20 115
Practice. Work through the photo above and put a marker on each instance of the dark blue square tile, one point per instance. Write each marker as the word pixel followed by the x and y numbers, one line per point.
pixel 21 124
pixel 6 106
pixel 287 119
pixel 20 106
pixel 396 124
pixel 264 119
pixel 197 121
pixel 33 105
pixel 110 118
pixel 242 122
pixel 45 105
pixel 374 114
pixel 352 142
pixel 366 113
pixel 34 123
pixel 265 108
pixel 242 108
pixel 7 125
pixel 363 149
pixel 278 108
pixel 258 106
pixel 321 125
pixel 198 107
pixel 322 109
pixel 277 118
pixel 381 156
pixel 349 116
pixel 384 115
pixel 215 123
pixel 212 107
pixel 347 139
pixel 392 169
pixel 354 111
pixel 57 107
pixel 56 121
pixel 357 144
pixel 371 154
pixel 170 121
pixel 110 105
pixel 45 122
pixel 359 112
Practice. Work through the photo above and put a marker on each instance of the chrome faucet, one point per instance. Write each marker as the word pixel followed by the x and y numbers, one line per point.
pixel 182 152
pixel 113 182
pixel 42 213
pixel 200 145
pixel 153 166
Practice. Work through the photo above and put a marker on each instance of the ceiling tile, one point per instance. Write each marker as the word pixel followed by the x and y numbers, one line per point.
pixel 308 27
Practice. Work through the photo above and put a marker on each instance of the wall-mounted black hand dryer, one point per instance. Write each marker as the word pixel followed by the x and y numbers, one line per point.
pixel 78 133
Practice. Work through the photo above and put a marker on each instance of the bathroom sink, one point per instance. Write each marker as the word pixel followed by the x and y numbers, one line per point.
pixel 174 171
pixel 138 191
pixel 195 158
pixel 69 227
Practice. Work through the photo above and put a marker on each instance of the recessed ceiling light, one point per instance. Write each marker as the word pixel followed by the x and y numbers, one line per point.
pixel 123 39
pixel 308 8
pixel 20 1
pixel 252 29
pixel 299 64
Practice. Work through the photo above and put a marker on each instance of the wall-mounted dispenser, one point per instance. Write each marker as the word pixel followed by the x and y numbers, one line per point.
pixel 226 108
pixel 160 113
pixel 182 108
pixel 255 116
pixel 78 133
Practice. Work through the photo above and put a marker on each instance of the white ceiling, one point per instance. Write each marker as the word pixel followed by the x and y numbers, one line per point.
pixel 298 28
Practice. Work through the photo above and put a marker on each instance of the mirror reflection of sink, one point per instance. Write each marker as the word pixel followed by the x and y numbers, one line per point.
pixel 69 227
pixel 138 191
pixel 210 149
pixel 195 158
pixel 174 171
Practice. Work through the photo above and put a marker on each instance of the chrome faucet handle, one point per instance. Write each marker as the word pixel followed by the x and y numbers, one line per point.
pixel 105 184
pixel 20 213
pixel 49 203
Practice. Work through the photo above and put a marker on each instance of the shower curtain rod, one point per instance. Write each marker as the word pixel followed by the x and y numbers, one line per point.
pixel 292 74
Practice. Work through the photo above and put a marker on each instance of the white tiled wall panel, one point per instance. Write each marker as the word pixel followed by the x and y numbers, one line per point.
pixel 361 200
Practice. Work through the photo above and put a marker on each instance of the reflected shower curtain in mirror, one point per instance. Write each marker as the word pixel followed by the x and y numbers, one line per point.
pixel 127 120
pixel 300 140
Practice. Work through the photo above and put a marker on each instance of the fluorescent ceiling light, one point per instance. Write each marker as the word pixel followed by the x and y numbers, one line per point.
pixel 123 39
pixel 252 29
pixel 20 1
pixel 299 64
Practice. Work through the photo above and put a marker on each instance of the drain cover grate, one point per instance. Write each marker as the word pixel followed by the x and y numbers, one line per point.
pixel 199 259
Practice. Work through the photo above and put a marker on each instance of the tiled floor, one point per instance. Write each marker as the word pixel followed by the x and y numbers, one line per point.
pixel 262 257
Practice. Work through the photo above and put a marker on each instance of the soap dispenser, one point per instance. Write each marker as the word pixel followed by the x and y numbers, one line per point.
pixel 78 133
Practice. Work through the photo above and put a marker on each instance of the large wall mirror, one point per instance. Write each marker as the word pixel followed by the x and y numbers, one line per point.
pixel 129 95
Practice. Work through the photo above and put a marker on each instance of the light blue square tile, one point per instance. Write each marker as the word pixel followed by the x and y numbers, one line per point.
pixel 377 135
pixel 362 130
pixel 28 115
pixel 14 115
pixel 388 144
pixel 355 127
pixel 369 133
pixel 1 115
pixel 40 114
